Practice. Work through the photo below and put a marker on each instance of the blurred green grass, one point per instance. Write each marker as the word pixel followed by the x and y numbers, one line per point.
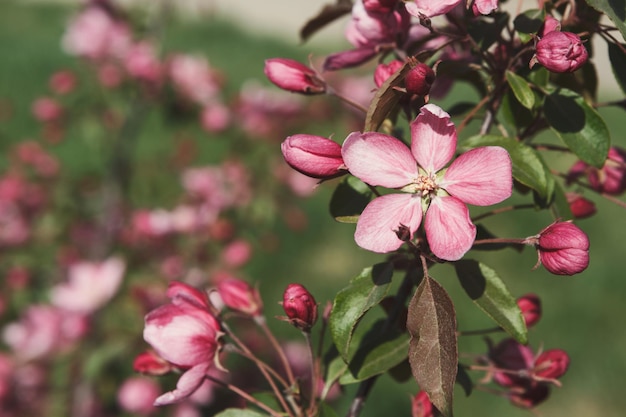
pixel 582 314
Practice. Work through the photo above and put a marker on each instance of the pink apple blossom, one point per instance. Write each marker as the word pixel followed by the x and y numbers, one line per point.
pixel 481 177
pixel 431 8
pixel 185 333
pixel 484 7
pixel 90 285
pixel 193 77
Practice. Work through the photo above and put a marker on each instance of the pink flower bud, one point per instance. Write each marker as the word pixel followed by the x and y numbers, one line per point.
pixel 384 71
pixel 240 296
pixel 529 397
pixel 314 156
pixel 419 79
pixel 150 363
pixel 300 307
pixel 293 76
pixel 552 364
pixel 421 405
pixel 563 249
pixel 46 109
pixel 62 82
pixel 580 206
pixel 379 6
pixel 561 52
pixel 610 179
pixel 550 24
pixel 530 304
pixel 512 356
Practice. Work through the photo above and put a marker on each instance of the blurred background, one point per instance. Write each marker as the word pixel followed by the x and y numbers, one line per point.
pixel 109 163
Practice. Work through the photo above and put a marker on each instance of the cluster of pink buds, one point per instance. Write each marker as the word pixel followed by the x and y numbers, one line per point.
pixel 525 375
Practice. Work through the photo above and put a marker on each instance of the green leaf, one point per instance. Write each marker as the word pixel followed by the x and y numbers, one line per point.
pixel 528 166
pixel 618 64
pixel 521 89
pixel 614 9
pixel 385 99
pixel 464 380
pixel 350 305
pixel 578 125
pixel 240 412
pixel 380 349
pixel 433 354
pixel 528 22
pixel 326 411
pixel 349 199
pixel 488 292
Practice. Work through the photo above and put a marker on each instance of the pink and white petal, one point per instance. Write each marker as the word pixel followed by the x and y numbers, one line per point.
pixel 449 230
pixel 377 225
pixel 182 293
pixel 433 138
pixel 379 159
pixel 480 177
pixel 187 384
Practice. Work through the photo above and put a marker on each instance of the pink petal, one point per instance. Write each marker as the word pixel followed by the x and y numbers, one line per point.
pixel 449 230
pixel 182 293
pixel 379 159
pixel 187 384
pixel 480 177
pixel 433 138
pixel 377 226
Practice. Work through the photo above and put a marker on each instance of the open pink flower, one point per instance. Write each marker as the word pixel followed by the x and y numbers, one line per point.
pixel 481 177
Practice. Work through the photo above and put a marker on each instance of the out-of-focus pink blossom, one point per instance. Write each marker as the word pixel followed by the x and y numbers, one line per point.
pixel 62 82
pixel 137 395
pixel 530 305
pixel 314 156
pixel 32 153
pixel 580 206
pixel 46 109
pixel 369 29
pixel 610 179
pixel 185 333
pixel 14 227
pixel 293 76
pixel 215 117
pixel 218 187
pixel 90 285
pixel 484 7
pixel 563 248
pixel 94 34
pixel 384 71
pixel 240 296
pixel 142 63
pixel 561 52
pixel 430 8
pixel 481 176
pixel 43 330
pixel 110 75
pixel 237 253
pixel 193 77
pixel 421 405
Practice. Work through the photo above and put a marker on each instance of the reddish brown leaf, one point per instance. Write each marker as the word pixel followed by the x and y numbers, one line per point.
pixel 328 14
pixel 433 347
pixel 385 100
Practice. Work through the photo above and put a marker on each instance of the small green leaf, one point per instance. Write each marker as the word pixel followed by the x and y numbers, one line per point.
pixel 349 199
pixel 385 100
pixel 240 412
pixel 528 22
pixel 326 411
pixel 350 305
pixel 488 292
pixel 528 166
pixel 578 125
pixel 614 9
pixel 521 89
pixel 464 380
pixel 618 64
pixel 433 354
pixel 380 349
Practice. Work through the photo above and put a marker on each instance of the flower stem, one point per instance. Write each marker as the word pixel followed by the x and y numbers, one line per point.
pixel 260 321
pixel 245 395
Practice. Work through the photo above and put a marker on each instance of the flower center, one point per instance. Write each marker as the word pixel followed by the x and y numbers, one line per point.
pixel 423 185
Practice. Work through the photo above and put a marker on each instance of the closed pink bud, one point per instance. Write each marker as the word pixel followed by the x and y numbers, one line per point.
pixel 563 249
pixel 293 76
pixel 552 364
pixel 530 396
pixel 580 206
pixel 300 307
pixel 384 71
pixel 240 296
pixel 150 363
pixel 421 405
pixel 530 305
pixel 550 24
pixel 611 178
pixel 419 79
pixel 561 52
pixel 314 156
